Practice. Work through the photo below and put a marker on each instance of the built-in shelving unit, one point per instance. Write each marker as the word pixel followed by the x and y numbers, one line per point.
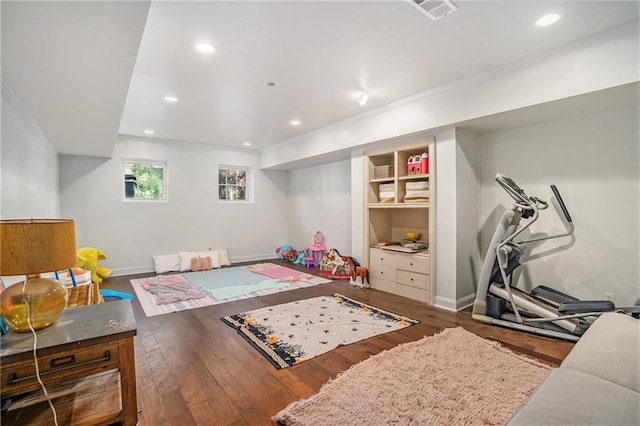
pixel 399 198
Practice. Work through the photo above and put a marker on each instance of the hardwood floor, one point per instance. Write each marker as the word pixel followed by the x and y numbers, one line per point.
pixel 195 370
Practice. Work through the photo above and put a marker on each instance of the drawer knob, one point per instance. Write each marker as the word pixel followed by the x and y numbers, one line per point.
pixel 411 279
pixel 411 263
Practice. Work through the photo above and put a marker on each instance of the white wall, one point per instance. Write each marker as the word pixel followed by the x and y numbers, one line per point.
pixel 320 200
pixel 467 210
pixel 446 218
pixel 130 233
pixel 594 161
pixel 29 165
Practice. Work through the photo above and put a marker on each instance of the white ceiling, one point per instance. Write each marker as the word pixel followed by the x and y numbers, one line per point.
pixel 319 54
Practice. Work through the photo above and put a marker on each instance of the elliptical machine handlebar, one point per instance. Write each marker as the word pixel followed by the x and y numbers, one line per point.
pixel 530 207
pixel 556 193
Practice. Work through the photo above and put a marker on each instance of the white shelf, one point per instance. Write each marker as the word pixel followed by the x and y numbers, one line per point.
pixel 390 222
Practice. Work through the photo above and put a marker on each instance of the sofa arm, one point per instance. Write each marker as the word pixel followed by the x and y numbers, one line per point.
pixel 609 349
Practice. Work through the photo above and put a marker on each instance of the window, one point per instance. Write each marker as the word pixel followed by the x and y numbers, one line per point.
pixel 233 183
pixel 144 180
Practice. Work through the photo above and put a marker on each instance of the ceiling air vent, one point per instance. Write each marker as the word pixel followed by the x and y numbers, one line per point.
pixel 434 9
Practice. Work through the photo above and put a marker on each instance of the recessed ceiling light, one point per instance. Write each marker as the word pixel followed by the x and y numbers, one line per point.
pixel 362 98
pixel 170 99
pixel 205 48
pixel 295 122
pixel 247 144
pixel 149 132
pixel 547 20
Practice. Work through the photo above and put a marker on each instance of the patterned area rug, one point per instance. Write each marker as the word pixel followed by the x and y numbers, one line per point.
pixel 163 294
pixel 452 378
pixel 294 332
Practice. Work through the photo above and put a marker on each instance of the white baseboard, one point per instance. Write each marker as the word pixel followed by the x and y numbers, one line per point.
pixel 454 305
pixel 130 270
pixel 267 256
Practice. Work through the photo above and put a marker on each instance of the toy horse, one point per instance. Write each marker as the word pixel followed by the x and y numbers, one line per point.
pixel 334 258
pixel 355 270
pixel 363 273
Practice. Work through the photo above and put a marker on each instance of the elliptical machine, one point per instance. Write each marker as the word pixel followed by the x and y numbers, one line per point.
pixel 544 310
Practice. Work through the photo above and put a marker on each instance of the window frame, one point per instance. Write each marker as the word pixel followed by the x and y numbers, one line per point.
pixel 147 161
pixel 248 185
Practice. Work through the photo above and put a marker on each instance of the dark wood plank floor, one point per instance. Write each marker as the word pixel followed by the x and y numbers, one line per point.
pixel 195 370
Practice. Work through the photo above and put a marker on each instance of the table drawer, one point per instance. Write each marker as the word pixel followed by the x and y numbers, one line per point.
pixel 382 257
pixel 412 279
pixel 419 264
pixel 20 377
pixel 383 272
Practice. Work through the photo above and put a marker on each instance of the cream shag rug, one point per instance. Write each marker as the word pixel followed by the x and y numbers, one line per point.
pixel 452 378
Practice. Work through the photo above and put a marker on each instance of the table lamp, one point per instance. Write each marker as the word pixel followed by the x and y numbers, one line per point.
pixel 30 247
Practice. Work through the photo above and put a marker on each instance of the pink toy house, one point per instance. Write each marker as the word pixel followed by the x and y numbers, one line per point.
pixel 414 165
pixel 418 164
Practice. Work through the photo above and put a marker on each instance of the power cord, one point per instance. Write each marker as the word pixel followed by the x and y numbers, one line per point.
pixel 27 300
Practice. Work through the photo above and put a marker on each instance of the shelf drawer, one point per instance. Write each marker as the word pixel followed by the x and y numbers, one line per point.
pixel 419 264
pixel 383 285
pixel 382 272
pixel 20 377
pixel 412 279
pixel 419 294
pixel 382 257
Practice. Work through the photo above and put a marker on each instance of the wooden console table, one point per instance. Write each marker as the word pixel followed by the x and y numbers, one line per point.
pixel 85 341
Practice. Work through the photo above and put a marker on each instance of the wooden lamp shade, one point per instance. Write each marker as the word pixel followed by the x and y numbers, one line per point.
pixel 32 246
pixel 29 247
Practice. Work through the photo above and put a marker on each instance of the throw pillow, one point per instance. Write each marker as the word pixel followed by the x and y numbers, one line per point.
pixel 214 255
pixel 196 264
pixel 224 257
pixel 185 259
pixel 166 263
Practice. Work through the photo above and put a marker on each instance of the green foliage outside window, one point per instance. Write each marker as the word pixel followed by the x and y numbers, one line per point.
pixel 232 184
pixel 144 181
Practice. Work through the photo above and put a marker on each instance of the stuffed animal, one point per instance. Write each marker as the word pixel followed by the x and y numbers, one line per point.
pixel 287 253
pixel 88 258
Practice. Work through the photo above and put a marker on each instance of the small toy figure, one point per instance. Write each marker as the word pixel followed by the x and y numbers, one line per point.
pixel 363 273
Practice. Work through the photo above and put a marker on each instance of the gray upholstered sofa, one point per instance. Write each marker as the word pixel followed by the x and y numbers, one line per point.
pixel 597 384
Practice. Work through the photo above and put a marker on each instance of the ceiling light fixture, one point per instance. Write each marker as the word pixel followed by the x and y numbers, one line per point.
pixel 149 132
pixel 295 122
pixel 170 99
pixel 205 48
pixel 547 20
pixel 247 144
pixel 362 97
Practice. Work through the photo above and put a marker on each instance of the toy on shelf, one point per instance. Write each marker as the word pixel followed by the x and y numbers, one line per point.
pixel 315 252
pixel 418 164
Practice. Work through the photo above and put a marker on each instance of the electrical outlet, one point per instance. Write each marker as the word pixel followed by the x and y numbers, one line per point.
pixel 610 296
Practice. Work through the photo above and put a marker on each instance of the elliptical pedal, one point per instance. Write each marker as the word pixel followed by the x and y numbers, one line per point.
pixel 552 296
